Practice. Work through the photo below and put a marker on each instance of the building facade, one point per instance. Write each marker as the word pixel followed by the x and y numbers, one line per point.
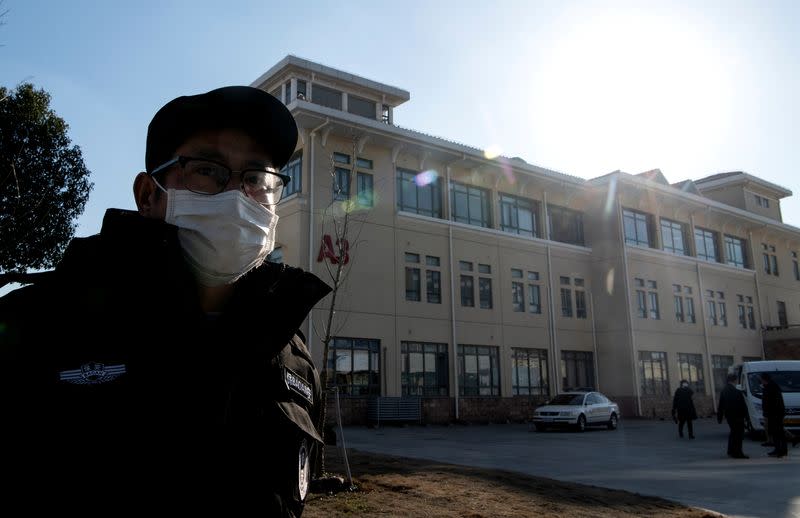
pixel 486 285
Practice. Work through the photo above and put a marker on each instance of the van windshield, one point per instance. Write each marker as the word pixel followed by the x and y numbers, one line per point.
pixel 788 381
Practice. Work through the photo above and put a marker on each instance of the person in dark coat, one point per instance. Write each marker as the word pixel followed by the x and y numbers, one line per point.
pixel 683 411
pixel 774 410
pixel 161 364
pixel 733 408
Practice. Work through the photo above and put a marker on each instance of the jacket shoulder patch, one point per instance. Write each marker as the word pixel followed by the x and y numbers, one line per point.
pixel 298 384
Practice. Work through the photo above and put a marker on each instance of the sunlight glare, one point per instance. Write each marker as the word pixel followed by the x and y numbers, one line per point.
pixel 633 88
pixel 492 151
pixel 426 177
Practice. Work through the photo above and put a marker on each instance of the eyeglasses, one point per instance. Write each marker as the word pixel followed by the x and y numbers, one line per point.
pixel 264 185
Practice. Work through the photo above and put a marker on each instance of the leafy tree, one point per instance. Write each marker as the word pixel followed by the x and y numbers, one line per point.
pixel 44 183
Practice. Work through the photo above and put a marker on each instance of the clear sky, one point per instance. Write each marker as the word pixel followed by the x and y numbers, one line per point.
pixel 584 88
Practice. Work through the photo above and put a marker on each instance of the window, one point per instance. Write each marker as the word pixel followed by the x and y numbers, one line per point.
pixel 673 237
pixel 465 266
pixel 712 313
pixel 364 192
pixel 341 183
pixel 485 292
pixel 761 201
pixel 529 372
pixel 577 370
pixel 341 158
pixel 770 259
pixel 782 320
pixel 412 278
pixel 518 215
pixel 637 227
pixel 363 163
pixel 517 295
pixel 386 117
pixel 359 106
pixel 424 369
pixel 534 294
pixel 479 371
pixel 287 92
pixel 796 267
pixel 654 313
pixel 467 291
pixel 690 318
pixel 419 193
pixel 566 226
pixel 294 170
pixel 484 268
pixel 678 303
pixel 653 371
pixel 751 317
pixel 690 367
pixel 470 205
pixel 327 97
pixel 742 315
pixel 580 304
pixel 433 281
pixel 301 90
pixel 643 297
pixel 706 243
pixel 354 366
pixel 719 369
pixel 735 251
pixel 566 302
pixel 641 304
pixel 723 314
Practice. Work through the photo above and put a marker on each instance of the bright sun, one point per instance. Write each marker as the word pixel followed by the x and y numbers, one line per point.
pixel 633 89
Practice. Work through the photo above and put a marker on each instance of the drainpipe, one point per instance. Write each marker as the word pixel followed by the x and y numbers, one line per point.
pixel 313 135
pixel 626 284
pixel 594 342
pixel 705 322
pixel 556 384
pixel 454 355
pixel 758 296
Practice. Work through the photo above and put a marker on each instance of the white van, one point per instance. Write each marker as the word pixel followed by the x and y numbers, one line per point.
pixel 786 373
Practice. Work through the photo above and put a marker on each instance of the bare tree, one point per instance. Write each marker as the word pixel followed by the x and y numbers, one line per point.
pixel 342 222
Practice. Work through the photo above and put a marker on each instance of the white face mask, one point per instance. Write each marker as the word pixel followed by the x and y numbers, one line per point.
pixel 222 236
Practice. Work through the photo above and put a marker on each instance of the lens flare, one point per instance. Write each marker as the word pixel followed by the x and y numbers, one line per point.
pixel 492 152
pixel 610 282
pixel 505 165
pixel 426 178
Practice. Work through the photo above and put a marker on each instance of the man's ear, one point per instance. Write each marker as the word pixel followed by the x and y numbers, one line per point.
pixel 144 192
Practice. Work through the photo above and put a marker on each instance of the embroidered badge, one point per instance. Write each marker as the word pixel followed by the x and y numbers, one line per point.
pixel 92 373
pixel 303 472
pixel 297 384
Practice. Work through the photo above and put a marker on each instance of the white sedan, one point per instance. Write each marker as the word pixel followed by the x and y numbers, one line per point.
pixel 577 409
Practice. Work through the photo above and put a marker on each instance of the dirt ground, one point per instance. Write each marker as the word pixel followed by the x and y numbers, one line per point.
pixel 396 486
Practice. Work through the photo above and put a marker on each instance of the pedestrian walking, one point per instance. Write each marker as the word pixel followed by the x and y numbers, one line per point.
pixel 774 410
pixel 733 408
pixel 683 411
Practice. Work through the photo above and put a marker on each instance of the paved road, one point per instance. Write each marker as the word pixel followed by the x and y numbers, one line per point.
pixel 642 456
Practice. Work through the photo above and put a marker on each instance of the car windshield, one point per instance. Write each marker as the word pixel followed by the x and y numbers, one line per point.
pixel 567 399
pixel 788 381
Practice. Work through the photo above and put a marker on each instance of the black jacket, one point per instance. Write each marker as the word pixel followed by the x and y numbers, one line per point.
pixel 110 367
pixel 731 405
pixel 683 405
pixel 772 399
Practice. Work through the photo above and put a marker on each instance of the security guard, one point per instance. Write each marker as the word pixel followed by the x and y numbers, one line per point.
pixel 161 362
